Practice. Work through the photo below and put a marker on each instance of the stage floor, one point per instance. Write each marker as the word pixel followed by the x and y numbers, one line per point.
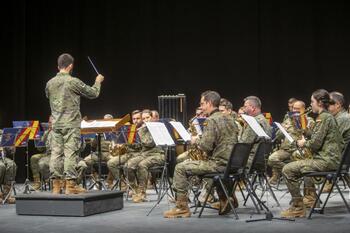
pixel 132 218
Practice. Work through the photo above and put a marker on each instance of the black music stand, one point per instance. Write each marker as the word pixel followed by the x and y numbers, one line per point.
pixel 162 138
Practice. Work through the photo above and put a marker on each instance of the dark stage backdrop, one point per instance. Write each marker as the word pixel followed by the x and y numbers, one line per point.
pixel 272 49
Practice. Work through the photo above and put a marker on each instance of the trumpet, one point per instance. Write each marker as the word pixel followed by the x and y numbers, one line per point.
pixel 117 149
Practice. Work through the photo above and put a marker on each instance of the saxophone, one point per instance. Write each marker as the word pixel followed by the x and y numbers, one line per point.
pixel 302 153
pixel 117 149
pixel 194 152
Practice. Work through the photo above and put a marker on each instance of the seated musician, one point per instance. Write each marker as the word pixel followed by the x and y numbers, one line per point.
pixel 35 159
pixel 218 139
pixel 8 170
pixel 252 107
pixel 150 155
pixel 130 150
pixel 325 145
pixel 279 158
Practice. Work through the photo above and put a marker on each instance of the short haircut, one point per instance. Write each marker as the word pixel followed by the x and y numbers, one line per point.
pixel 301 102
pixel 212 97
pixel 292 100
pixel 255 101
pixel 226 103
pixel 64 60
pixel 337 97
pixel 135 112
pixel 147 111
pixel 154 113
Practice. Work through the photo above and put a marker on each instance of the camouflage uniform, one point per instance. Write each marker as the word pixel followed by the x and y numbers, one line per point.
pixel 115 162
pixel 64 93
pixel 249 136
pixel 325 145
pixel 8 169
pixel 150 155
pixel 343 121
pixel 279 158
pixel 35 159
pixel 219 136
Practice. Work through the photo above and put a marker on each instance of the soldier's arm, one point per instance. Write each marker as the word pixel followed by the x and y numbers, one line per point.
pixel 206 142
pixel 146 138
pixel 318 135
pixel 84 90
pixel 248 135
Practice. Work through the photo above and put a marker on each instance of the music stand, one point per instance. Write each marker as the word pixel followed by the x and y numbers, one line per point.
pixel 9 140
pixel 161 137
pixel 99 127
pixel 256 127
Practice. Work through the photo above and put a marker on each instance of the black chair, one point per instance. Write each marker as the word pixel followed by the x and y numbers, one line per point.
pixel 333 176
pixel 257 173
pixel 233 172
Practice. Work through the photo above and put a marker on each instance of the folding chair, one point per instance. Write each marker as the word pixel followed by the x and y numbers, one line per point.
pixel 257 173
pixel 340 173
pixel 233 171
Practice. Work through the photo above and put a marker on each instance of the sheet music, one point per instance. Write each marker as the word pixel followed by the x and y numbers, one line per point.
pixel 181 130
pixel 198 128
pixel 160 133
pixel 255 126
pixel 285 133
pixel 97 124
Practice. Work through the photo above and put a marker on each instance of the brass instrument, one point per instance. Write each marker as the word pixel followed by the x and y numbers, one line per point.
pixel 117 149
pixel 194 152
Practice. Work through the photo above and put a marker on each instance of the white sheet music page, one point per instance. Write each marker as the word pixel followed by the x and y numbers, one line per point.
pixel 285 133
pixel 181 130
pixel 160 134
pixel 97 124
pixel 251 121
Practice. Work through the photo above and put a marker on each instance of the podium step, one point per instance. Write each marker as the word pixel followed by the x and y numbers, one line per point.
pixel 48 204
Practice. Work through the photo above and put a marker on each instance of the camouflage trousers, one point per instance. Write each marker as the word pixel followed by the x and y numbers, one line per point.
pixel 44 167
pixel 8 169
pixel 182 157
pixel 293 173
pixel 34 163
pixel 187 169
pixel 65 144
pixel 140 164
pixel 278 159
pixel 116 163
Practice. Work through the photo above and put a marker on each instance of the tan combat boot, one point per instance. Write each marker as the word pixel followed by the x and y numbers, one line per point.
pixel 181 209
pixel 73 188
pixel 296 210
pixel 274 178
pixel 309 197
pixel 327 187
pixel 36 182
pixel 56 186
pixel 7 190
pixel 140 196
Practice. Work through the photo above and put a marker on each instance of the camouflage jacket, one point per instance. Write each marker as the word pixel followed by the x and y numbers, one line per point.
pixel 147 143
pixel 343 121
pixel 294 133
pixel 249 136
pixel 220 133
pixel 63 92
pixel 325 142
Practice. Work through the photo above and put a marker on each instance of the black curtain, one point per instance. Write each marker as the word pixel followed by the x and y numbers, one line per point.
pixel 272 49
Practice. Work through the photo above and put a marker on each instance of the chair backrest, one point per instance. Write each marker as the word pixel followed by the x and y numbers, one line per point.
pixel 259 160
pixel 238 158
pixel 345 160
